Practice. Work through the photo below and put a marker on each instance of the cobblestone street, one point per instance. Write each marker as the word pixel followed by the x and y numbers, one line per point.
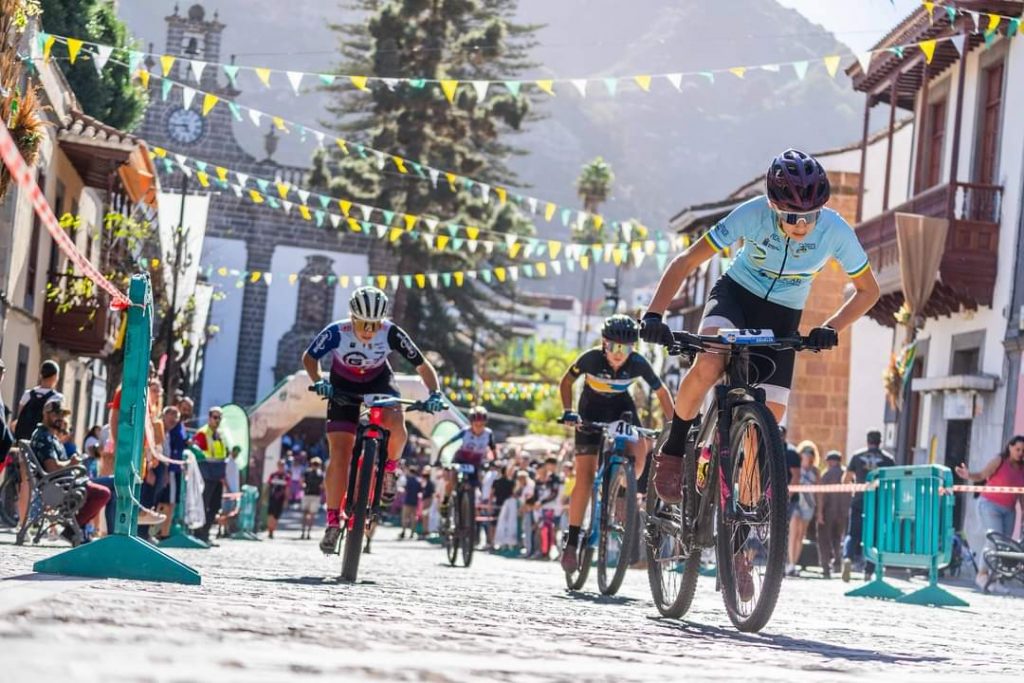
pixel 272 611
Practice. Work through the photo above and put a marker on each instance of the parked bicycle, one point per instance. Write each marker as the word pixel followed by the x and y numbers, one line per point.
pixel 366 474
pixel 458 530
pixel 611 524
pixel 735 491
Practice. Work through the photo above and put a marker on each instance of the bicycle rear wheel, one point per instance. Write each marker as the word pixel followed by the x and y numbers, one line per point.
pixel 354 539
pixel 752 546
pixel 671 572
pixel 618 531
pixel 450 530
pixel 467 526
pixel 9 500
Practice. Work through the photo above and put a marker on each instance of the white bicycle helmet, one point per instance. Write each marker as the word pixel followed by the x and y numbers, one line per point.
pixel 368 304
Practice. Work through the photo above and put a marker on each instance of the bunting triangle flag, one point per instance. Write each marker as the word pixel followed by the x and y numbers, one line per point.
pixel 644 82
pixel 209 102
pixel 359 81
pixel 832 64
pixel 187 95
pixel 166 62
pixel 554 246
pixel 434 174
pixel 710 75
pixel 864 59
pixel 74 47
pixel 532 203
pixel 976 18
pixel 394 281
pixel 144 78
pixel 542 268
pixel 431 224
pixel 449 87
pixel 513 273
pixel 557 267
pixel 263 74
pixel 254 116
pixel 303 195
pixel 513 87
pixel 549 211
pixel 287 206
pixel 611 84
pixel 581 86
pixel 48 42
pixel 458 275
pixel 675 79
pixel 993 23
pixel 432 278
pixel 928 48
pixel 584 262
pixel 547 85
pixel 134 60
pixel 481 90
pixel 407 279
pixel 662 259
pixel 335 220
pixel 102 55
pixel 231 71
pixel 447 279
pixel 738 71
pixel 421 280
pixel 295 78
pixel 773 68
pixel 197 67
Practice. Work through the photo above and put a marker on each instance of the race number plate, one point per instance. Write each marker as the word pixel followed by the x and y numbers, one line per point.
pixel 466 468
pixel 764 336
pixel 620 429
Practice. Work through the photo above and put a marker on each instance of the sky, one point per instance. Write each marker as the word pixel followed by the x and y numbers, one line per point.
pixel 858 23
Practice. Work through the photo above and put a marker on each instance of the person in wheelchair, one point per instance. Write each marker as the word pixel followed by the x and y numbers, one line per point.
pixel 50 453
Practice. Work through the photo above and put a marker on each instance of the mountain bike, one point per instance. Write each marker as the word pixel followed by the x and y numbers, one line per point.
pixel 366 472
pixel 735 491
pixel 459 529
pixel 610 527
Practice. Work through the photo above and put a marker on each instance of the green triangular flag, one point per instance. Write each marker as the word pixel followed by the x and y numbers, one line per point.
pixel 612 85
pixel 446 278
pixel 528 270
pixel 263 185
pixel 566 213
pixel 513 87
pixel 273 202
pixel 232 73
pixel 388 216
pixel 165 89
pixel 662 259
pixel 417 82
pixel 319 217
pixel 486 275
pixel 457 243
pixel 235 111
pixel 324 201
pixel 571 265
pixel 407 279
pixel 326 79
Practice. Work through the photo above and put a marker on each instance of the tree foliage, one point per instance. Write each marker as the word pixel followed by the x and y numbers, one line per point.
pixel 434 39
pixel 111 96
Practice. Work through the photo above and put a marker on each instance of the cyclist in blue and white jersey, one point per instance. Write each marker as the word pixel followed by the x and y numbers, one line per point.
pixel 788 238
pixel 359 348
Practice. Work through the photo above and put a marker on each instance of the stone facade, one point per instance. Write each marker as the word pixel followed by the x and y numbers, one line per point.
pixel 263 229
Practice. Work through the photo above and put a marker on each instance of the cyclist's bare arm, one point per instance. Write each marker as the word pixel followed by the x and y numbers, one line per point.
pixel 665 400
pixel 565 389
pixel 865 295
pixel 312 366
pixel 428 374
pixel 678 269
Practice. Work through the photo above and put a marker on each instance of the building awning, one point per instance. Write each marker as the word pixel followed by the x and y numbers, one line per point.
pixel 927 385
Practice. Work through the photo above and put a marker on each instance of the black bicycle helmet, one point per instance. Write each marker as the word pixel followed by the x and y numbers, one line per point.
pixel 796 182
pixel 621 329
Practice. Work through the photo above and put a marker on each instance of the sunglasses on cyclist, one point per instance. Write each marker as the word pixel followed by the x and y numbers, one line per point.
pixel 367 325
pixel 617 347
pixel 478 418
pixel 794 217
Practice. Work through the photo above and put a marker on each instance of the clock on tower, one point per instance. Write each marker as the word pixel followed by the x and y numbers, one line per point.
pixel 185 126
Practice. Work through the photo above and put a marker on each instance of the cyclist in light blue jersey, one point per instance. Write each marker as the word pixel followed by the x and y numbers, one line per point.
pixel 788 238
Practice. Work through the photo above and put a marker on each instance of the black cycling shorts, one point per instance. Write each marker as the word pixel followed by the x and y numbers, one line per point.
pixel 594 408
pixel 344 418
pixel 731 305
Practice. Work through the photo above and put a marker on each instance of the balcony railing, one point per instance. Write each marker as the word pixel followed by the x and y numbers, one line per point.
pixel 967 272
pixel 85 326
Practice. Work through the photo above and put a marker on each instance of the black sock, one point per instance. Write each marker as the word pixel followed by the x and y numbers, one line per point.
pixel 574 536
pixel 675 445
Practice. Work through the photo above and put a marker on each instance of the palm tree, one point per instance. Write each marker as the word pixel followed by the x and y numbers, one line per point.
pixel 593 186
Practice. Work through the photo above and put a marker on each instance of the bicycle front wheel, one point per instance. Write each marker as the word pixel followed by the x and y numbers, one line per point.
pixel 618 531
pixel 752 542
pixel 467 527
pixel 360 511
pixel 450 530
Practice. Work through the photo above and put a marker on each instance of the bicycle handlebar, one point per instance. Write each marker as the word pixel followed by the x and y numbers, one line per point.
pixel 584 424
pixel 346 399
pixel 686 342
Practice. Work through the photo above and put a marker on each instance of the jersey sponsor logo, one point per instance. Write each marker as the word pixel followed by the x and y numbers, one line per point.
pixel 319 345
pixel 408 348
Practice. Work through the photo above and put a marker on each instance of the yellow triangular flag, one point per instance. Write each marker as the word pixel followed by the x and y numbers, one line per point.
pixel 514 249
pixel 421 280
pixel 930 6
pixel 458 275
pixel 341 144
pixel 47 47
pixel 399 164
pixel 292 278
pixel 410 221
pixel 160 152
pixel 738 71
pixel 928 48
pixel 449 87
pixel 499 273
pixel 255 276
pixel 472 232
pixel 166 62
pixel 204 178
pixel 74 47
pixel 222 271
pixel 549 211
pixel 304 210
pixel 382 281
pixel 442 240
pixel 354 226
pixel 345 205
pixel 451 180
pixel 584 262
pixel 554 246
pixel 343 280
pixel 282 190
pixel 222 174
pixel 644 82
pixel 256 197
pixel 993 23
pixel 542 269
pixel 394 234
pixel 209 102
pixel 154 263
pixel 547 86
pixel 359 82
pixel 279 123
pixel 598 221
pixel 832 64
pixel 143 78
pixel 264 75
pixel 617 257
pixel 502 194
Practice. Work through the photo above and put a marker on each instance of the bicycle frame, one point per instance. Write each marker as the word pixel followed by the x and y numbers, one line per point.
pixel 616 457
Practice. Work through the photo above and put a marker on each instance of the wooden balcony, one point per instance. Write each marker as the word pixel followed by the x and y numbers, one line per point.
pixel 85 329
pixel 967 272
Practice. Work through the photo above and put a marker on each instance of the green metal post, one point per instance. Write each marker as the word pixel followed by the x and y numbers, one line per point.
pixel 122 554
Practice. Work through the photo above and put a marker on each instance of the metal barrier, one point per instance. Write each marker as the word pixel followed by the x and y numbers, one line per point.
pixel 908 522
pixel 178 536
pixel 247 514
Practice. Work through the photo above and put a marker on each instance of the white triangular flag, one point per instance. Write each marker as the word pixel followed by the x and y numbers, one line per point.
pixel 428 239
pixel 381 158
pixel 557 267
pixel 268 278
pixel 510 240
pixel 865 61
pixel 319 137
pixel 187 95
pixel 627 230
pixel 485 191
pixel 237 190
pixel 391 83
pixel 675 79
pixel 976 17
pixel 774 68
pixel 335 219
pixel 381 230
pixel 394 281
pixel 801 69
pixel 472 244
pixel 489 247
pixel 287 205
pixel 242 178
pixel 431 224
pixel 254 116
pixel 304 196
pixel 481 90
pixel 197 67
pixel 471 274
pixel 102 55
pixel 638 257
pixel 434 173
pixel 958 42
pixel 181 159
pixel 513 273
pixel 295 78
pixel 532 202
pixel 581 85
pixel 367 211
pixel 433 279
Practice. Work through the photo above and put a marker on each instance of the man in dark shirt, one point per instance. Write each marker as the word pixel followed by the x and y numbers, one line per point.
pixel 833 510
pixel 411 501
pixel 49 451
pixel 312 493
pixel 861 464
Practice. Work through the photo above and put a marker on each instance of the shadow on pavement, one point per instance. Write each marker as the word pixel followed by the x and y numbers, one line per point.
pixel 317 581
pixel 596 598
pixel 782 642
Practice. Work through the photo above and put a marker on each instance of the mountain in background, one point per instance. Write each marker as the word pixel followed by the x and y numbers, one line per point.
pixel 668 149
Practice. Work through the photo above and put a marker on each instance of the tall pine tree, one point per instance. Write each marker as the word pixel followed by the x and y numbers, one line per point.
pixel 434 39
